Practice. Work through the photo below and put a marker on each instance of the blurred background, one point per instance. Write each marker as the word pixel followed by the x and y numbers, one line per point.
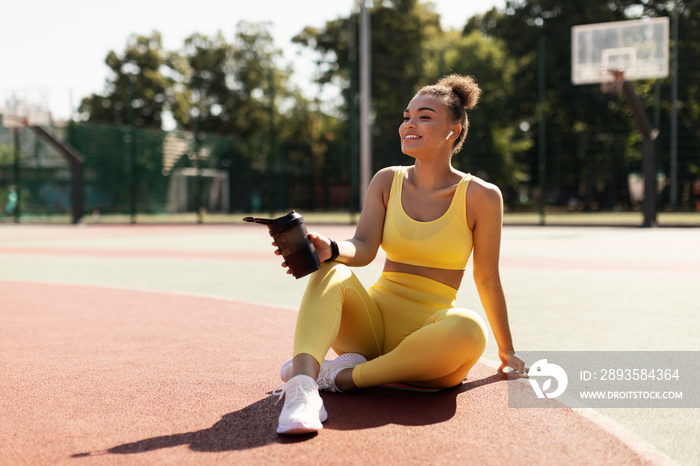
pixel 247 119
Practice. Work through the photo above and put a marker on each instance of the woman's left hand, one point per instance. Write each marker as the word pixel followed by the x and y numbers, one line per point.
pixel 512 360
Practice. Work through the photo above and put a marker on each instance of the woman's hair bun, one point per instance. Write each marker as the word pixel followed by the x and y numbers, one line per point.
pixel 459 93
pixel 464 87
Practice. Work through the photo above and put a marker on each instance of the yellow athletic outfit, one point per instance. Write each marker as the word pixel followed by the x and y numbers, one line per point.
pixel 445 243
pixel 405 325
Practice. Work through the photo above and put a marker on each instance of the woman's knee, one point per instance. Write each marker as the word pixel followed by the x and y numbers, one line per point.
pixel 329 273
pixel 468 327
pixel 337 269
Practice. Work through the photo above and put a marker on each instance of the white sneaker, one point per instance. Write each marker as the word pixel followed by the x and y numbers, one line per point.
pixel 329 369
pixel 286 370
pixel 303 410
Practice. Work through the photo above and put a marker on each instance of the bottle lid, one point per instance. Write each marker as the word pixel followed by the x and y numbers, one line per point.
pixel 279 224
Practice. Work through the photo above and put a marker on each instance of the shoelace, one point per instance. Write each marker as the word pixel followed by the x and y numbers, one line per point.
pixel 279 392
pixel 290 391
pixel 327 382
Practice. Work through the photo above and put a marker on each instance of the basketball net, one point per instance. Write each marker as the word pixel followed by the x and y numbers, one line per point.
pixel 613 85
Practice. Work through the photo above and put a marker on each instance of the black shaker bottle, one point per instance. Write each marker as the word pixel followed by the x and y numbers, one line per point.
pixel 289 232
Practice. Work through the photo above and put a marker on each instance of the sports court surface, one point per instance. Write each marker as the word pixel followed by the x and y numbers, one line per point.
pixel 161 345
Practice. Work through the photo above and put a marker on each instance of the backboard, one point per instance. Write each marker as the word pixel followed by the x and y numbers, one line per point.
pixel 23 107
pixel 637 48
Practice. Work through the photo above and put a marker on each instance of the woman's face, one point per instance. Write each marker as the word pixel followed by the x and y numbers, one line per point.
pixel 425 127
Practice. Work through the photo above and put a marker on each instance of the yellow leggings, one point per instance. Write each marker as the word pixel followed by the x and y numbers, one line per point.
pixel 405 325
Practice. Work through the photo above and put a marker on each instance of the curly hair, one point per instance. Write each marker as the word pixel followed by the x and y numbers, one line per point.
pixel 459 93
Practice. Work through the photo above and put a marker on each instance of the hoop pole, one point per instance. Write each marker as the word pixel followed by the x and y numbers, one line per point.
pixel 640 115
pixel 649 133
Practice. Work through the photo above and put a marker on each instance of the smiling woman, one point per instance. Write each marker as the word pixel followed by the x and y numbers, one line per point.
pixel 458 94
pixel 430 219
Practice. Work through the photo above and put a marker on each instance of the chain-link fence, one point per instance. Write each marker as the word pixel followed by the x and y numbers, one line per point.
pixel 130 174
pixel 134 171
pixel 34 179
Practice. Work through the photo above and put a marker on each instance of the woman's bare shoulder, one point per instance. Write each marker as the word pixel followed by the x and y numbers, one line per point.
pixel 384 177
pixel 483 190
pixel 387 172
pixel 484 203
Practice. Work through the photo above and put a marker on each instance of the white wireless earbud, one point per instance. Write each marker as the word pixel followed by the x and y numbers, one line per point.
pixel 449 136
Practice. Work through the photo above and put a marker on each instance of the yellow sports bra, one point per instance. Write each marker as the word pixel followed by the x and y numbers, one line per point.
pixel 444 243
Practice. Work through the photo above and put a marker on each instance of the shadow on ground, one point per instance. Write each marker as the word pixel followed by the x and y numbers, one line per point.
pixel 254 425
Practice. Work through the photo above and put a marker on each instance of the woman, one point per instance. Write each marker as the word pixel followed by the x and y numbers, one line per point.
pixel 428 218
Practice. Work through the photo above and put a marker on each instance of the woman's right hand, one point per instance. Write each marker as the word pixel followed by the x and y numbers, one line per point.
pixel 321 243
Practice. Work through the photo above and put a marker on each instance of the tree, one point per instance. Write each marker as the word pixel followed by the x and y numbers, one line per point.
pixel 592 143
pixel 410 49
pixel 587 131
pixel 495 142
pixel 399 29
pixel 688 105
pixel 228 88
pixel 136 90
pixel 400 32
pixel 201 92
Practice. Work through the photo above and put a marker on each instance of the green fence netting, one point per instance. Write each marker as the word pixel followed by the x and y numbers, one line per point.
pixel 130 171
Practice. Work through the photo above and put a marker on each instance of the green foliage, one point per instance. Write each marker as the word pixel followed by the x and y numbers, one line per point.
pixel 688 90
pixel 238 89
pixel 494 143
pixel 228 88
pixel 200 95
pixel 136 91
pixel 592 143
pixel 410 49
pixel 399 33
pixel 7 155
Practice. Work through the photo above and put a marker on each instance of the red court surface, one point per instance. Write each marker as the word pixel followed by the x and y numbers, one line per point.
pixel 98 375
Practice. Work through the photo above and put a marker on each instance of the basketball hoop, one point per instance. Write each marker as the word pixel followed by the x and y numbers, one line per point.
pixel 613 85
pixel 26 107
pixel 613 54
pixel 14 122
pixel 640 48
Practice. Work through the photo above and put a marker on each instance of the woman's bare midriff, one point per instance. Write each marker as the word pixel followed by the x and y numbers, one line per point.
pixel 451 278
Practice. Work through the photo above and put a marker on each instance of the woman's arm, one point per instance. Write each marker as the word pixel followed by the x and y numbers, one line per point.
pixel 362 248
pixel 485 208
